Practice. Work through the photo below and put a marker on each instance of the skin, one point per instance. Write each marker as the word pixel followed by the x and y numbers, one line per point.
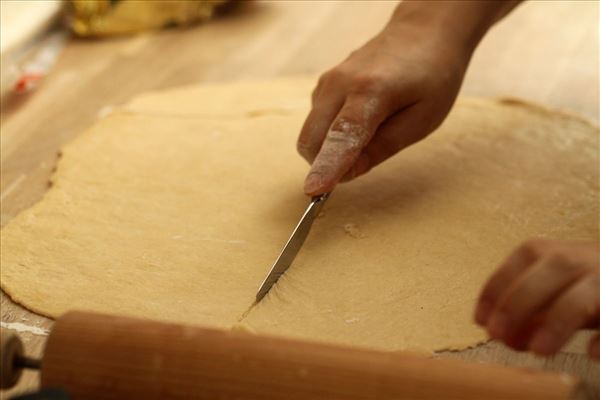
pixel 542 294
pixel 394 91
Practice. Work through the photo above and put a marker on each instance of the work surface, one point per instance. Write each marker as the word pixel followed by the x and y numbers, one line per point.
pixel 546 52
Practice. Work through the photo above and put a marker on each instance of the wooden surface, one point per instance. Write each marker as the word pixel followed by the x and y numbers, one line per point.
pixel 545 52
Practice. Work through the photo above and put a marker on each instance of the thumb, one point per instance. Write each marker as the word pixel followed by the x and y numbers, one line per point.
pixel 396 133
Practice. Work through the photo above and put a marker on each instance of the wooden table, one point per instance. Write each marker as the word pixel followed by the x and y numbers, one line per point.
pixel 545 51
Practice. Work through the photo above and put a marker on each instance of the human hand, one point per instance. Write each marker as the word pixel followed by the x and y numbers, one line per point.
pixel 393 91
pixel 544 292
pixel 387 95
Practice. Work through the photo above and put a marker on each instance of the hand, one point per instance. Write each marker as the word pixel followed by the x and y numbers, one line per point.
pixel 393 91
pixel 387 95
pixel 544 292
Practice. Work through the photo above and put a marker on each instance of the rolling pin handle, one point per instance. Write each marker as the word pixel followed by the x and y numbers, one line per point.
pixel 13 360
pixel 28 363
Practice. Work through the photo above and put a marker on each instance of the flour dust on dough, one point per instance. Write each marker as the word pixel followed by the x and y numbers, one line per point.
pixel 175 206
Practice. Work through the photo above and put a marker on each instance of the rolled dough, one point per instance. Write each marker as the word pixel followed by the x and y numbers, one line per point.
pixel 175 206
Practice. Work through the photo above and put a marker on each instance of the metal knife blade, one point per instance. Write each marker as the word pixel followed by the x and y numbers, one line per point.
pixel 293 245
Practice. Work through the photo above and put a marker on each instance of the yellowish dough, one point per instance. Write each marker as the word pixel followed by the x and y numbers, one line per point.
pixel 175 206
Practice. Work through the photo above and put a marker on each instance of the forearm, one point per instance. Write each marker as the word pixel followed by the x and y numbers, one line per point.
pixel 464 23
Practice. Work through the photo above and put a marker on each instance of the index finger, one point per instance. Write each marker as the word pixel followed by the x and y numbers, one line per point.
pixel 351 131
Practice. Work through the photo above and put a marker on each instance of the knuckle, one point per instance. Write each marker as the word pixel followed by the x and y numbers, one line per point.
pixel 327 82
pixel 322 80
pixel 370 82
pixel 334 75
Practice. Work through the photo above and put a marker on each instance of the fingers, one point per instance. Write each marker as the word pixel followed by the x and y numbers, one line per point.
pixel 542 294
pixel 578 305
pixel 514 265
pixel 351 131
pixel 394 135
pixel 317 123
pixel 530 292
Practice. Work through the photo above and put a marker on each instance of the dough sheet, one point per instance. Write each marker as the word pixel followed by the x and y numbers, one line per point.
pixel 175 206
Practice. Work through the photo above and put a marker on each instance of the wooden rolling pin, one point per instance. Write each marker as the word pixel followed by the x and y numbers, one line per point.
pixel 94 356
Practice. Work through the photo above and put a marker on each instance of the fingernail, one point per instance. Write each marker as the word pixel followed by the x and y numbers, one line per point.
pixel 498 326
pixel 543 343
pixel 313 183
pixel 482 312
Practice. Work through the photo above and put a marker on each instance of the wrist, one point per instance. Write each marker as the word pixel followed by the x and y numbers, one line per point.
pixel 460 24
